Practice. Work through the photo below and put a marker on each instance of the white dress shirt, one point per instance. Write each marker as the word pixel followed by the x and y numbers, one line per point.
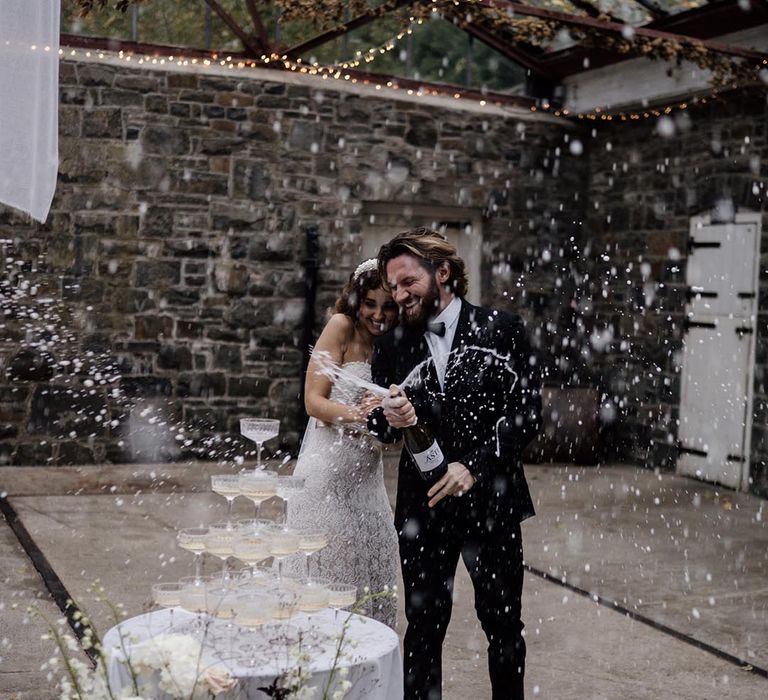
pixel 440 347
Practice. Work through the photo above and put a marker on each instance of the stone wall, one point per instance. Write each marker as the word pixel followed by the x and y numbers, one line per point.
pixel 644 187
pixel 164 297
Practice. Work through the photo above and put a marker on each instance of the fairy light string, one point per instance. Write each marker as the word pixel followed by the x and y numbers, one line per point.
pixel 341 70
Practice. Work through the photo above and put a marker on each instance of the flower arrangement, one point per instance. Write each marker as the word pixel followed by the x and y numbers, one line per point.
pixel 173 664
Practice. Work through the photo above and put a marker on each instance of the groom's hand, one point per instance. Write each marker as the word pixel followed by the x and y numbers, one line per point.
pixel 455 482
pixel 398 410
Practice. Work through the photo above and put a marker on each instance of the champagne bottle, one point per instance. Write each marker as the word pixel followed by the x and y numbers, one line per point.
pixel 423 448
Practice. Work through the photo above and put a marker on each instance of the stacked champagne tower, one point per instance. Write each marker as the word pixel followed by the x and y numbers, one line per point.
pixel 258 597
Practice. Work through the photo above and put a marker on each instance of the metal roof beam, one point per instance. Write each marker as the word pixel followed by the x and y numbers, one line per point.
pixel 655 10
pixel 258 25
pixel 506 49
pixel 331 34
pixel 619 28
pixel 237 30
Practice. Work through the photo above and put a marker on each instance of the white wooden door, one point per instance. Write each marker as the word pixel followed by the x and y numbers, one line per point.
pixel 718 350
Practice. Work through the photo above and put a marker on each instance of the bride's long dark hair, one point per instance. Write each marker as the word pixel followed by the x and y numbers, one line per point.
pixel 354 291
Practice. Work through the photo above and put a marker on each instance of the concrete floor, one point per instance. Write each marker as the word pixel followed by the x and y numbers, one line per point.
pixel 687 556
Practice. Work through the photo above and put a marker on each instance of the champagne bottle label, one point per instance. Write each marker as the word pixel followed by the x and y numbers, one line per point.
pixel 430 458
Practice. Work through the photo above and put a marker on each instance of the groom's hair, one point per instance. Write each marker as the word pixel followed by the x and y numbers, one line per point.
pixel 431 249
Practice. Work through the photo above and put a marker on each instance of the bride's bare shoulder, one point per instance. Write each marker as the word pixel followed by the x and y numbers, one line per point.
pixel 339 330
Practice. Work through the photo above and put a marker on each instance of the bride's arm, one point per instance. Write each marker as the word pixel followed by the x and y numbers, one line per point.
pixel 338 332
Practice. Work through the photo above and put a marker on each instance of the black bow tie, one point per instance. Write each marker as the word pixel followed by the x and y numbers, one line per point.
pixel 437 328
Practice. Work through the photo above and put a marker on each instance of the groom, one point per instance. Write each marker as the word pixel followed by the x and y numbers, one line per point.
pixel 479 394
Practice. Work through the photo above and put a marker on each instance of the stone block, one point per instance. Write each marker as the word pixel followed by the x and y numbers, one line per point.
pixel 156 103
pixel 196 96
pixel 133 301
pixel 94 74
pixel 226 216
pixel 70 121
pixel 306 136
pixel 227 335
pixel 234 99
pixel 232 278
pixel 165 140
pixel 62 412
pixel 220 145
pixel 187 81
pixel 201 384
pixel 74 453
pixel 188 329
pixel 145 387
pixel 190 248
pixel 157 273
pixel 32 454
pixel 103 122
pixel 8 431
pixel 174 357
pixel 189 182
pixel 122 98
pixel 31 365
pixel 181 297
pixel 253 387
pixel 244 314
pixel 180 109
pixel 153 327
pixel 251 179
pixel 228 357
pixel 141 83
pixel 157 221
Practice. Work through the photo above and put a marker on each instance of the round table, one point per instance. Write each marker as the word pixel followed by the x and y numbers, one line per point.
pixel 371 651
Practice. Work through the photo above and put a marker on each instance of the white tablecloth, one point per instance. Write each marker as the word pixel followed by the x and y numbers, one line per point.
pixel 372 652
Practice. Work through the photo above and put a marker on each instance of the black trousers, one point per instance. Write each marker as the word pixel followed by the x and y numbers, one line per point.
pixel 430 547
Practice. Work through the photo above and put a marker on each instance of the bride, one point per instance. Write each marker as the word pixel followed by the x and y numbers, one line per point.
pixel 344 491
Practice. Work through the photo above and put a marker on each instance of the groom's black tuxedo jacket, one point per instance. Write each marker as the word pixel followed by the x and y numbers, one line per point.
pixel 489 410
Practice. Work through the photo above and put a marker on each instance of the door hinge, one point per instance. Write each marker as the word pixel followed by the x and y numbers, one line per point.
pixel 735 458
pixel 688 324
pixel 746 295
pixel 693 244
pixel 699 293
pixel 744 330
pixel 682 449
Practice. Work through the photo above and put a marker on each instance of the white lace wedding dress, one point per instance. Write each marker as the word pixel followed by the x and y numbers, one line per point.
pixel 344 495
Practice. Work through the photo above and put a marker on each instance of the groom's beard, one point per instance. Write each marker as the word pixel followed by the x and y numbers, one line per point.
pixel 426 309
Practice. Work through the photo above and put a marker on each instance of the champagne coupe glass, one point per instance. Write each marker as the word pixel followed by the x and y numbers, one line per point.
pixel 228 486
pixel 283 542
pixel 311 541
pixel 167 595
pixel 288 485
pixel 250 548
pixel 340 596
pixel 259 430
pixel 193 598
pixel 219 603
pixel 252 610
pixel 193 540
pixel 258 486
pixel 314 596
pixel 218 541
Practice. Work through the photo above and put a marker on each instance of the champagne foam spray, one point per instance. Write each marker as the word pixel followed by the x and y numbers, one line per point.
pixel 333 371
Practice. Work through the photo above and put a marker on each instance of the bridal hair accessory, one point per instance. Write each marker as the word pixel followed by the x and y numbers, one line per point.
pixel 367 266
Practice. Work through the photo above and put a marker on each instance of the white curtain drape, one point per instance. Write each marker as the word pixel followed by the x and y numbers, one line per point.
pixel 29 104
